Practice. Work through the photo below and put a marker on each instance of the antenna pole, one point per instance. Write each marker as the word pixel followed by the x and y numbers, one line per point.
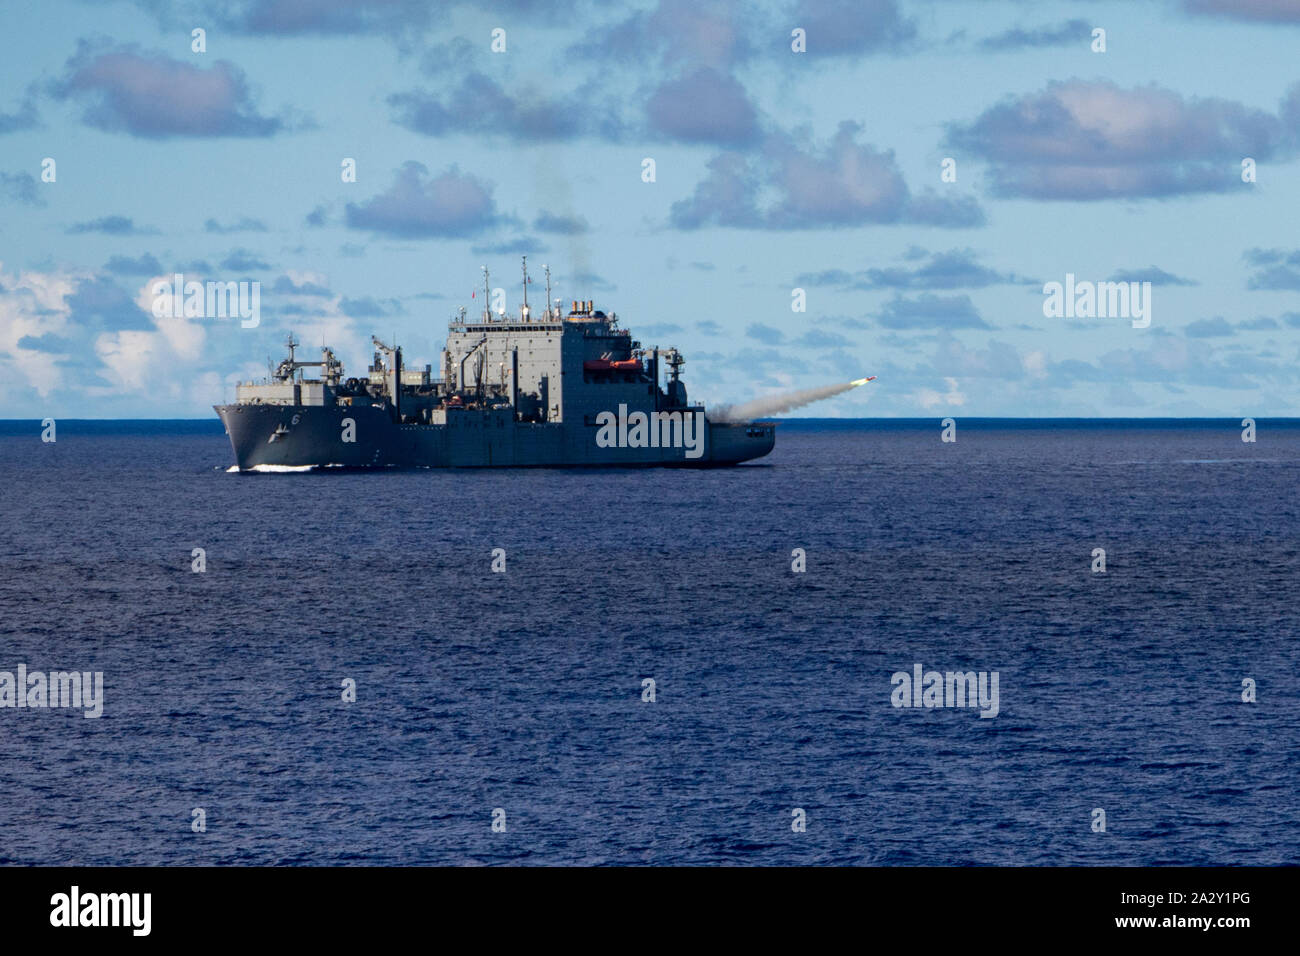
pixel 487 297
pixel 525 285
pixel 547 270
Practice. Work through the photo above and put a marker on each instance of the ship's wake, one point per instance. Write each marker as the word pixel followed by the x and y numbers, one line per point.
pixel 272 469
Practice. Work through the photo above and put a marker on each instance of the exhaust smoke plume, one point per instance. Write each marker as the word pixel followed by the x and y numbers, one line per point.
pixel 786 401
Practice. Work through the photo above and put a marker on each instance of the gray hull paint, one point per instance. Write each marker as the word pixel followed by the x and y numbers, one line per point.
pixel 300 435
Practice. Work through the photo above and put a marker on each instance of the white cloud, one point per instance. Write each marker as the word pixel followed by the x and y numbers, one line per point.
pixel 929 398
pixel 1036 364
pixel 33 304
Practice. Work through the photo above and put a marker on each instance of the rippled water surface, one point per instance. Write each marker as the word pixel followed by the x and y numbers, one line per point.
pixel 523 690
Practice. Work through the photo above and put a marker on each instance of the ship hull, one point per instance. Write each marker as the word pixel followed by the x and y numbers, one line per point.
pixel 268 437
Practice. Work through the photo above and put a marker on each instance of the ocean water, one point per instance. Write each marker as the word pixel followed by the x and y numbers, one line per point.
pixel 523 690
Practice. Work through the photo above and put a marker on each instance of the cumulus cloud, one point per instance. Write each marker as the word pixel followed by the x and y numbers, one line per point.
pixel 33 306
pixel 453 57
pixel 713 33
pixel 1261 324
pixel 1208 328
pixel 822 339
pixel 417 206
pixel 1276 269
pixel 80 340
pixel 23 118
pixel 98 303
pixel 765 334
pixel 704 106
pixel 951 397
pixel 144 265
pixel 931 312
pixel 695 46
pixel 246 224
pixel 1018 38
pixel 727 196
pixel 243 260
pixel 560 224
pixel 404 21
pixel 1180 361
pixel 365 307
pixel 320 17
pixel 297 300
pixel 956 269
pixel 151 95
pixel 996 360
pixel 1033 379
pixel 479 105
pixel 853 27
pixel 300 284
pixel 48 342
pixel 1263 11
pixel 115 225
pixel 1152 274
pixel 846 184
pixel 690 49
pixel 74 340
pixel 1089 140
pixel 21 188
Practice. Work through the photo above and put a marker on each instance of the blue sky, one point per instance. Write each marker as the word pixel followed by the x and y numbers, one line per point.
pixel 775 170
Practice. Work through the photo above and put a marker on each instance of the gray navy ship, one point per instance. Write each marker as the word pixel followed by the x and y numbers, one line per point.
pixel 526 390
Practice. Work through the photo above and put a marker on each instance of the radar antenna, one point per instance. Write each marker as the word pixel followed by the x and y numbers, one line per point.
pixel 525 287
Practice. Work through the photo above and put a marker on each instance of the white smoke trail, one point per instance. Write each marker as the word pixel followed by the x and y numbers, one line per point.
pixel 776 404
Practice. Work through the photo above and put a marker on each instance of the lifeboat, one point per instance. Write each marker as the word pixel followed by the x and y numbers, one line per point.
pixel 609 365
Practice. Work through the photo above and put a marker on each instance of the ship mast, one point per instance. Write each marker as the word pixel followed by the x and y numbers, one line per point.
pixel 525 312
pixel 547 270
pixel 487 297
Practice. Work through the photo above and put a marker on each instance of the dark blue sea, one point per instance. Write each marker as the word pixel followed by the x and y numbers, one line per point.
pixel 522 690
